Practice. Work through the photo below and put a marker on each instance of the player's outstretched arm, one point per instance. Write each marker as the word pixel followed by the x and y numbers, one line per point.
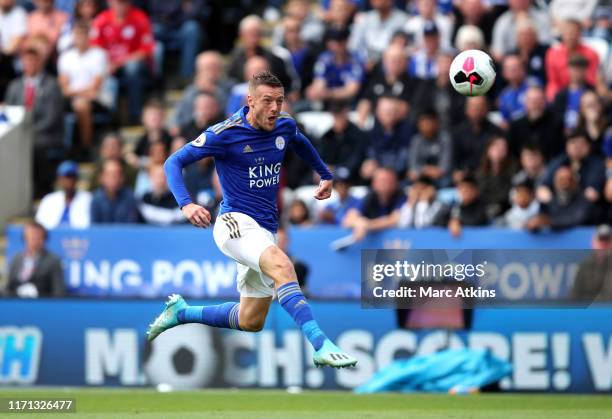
pixel 197 215
pixel 308 153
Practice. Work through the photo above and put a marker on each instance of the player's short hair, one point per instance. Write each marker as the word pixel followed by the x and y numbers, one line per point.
pixel 264 78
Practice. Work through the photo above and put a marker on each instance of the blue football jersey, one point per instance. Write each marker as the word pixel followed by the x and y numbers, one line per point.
pixel 248 161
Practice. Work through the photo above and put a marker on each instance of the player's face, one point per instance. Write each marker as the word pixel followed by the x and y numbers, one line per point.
pixel 266 104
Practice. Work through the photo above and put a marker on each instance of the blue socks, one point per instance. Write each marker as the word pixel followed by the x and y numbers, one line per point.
pixel 293 301
pixel 224 315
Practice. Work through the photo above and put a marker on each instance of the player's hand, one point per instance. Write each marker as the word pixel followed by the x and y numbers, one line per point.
pixel 197 215
pixel 324 190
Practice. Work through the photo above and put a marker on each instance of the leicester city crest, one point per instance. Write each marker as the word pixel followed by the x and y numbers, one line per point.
pixel 280 142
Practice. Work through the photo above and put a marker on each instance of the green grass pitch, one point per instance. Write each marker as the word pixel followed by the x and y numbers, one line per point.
pixel 274 404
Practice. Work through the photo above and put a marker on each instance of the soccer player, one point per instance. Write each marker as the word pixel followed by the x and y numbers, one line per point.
pixel 248 149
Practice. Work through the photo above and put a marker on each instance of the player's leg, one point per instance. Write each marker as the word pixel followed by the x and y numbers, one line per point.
pixel 275 264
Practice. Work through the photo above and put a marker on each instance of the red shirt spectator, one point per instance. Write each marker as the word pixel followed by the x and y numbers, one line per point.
pixel 124 38
pixel 557 58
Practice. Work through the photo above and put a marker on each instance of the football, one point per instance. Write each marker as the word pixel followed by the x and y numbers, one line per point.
pixel 472 73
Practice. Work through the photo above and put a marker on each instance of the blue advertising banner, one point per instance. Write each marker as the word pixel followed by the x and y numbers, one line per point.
pixel 96 342
pixel 140 261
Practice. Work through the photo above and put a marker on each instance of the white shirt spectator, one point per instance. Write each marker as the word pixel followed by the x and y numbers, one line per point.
pixel 82 69
pixel 414 27
pixel 517 217
pixel 504 30
pixel 572 9
pixel 422 214
pixel 12 24
pixel 371 36
pixel 52 206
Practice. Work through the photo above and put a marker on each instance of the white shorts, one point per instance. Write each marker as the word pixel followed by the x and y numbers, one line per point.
pixel 241 238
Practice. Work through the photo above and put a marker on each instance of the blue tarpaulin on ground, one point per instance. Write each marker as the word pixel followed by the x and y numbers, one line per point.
pixel 453 370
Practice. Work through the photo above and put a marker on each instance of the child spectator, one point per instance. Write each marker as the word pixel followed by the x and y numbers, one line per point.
pixel 524 206
pixel 430 150
pixel 470 211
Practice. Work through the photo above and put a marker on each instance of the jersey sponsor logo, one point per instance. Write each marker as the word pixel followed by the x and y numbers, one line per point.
pixel 247 149
pixel 280 142
pixel 200 141
pixel 264 175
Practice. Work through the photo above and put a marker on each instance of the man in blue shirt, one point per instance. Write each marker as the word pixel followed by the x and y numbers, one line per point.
pixel 337 73
pixel 249 149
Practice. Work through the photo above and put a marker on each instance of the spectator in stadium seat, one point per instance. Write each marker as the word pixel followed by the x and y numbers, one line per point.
pixel 343 144
pixel 177 26
pixel 338 73
pixel 380 208
pixel 388 142
pixel 422 209
pixel 84 12
pixel 334 212
pixel 113 202
pixel 588 167
pixel 495 176
pixel 82 71
pixel 374 29
pixel 531 52
pixel 470 211
pixel 524 206
pixel 250 33
pixel 309 26
pixel 532 163
pixel 593 120
pixel 67 206
pixel 156 155
pixel 422 63
pixel 439 94
pixel 593 280
pixel 206 112
pixel 298 213
pixel 567 207
pixel 474 13
pixel 238 95
pixel 340 13
pixel 469 37
pixel 303 55
pixel 111 148
pixel 46 20
pixel 512 97
pixel 539 126
pixel 601 26
pixel 430 152
pixel 388 78
pixel 567 101
pixel 158 206
pixel 35 272
pixel 471 137
pixel 504 30
pixel 428 14
pixel 559 56
pixel 209 78
pixel 153 119
pixel 13 21
pixel 40 94
pixel 125 33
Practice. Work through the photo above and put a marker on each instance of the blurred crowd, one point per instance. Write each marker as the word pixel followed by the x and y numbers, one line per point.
pixel 368 81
